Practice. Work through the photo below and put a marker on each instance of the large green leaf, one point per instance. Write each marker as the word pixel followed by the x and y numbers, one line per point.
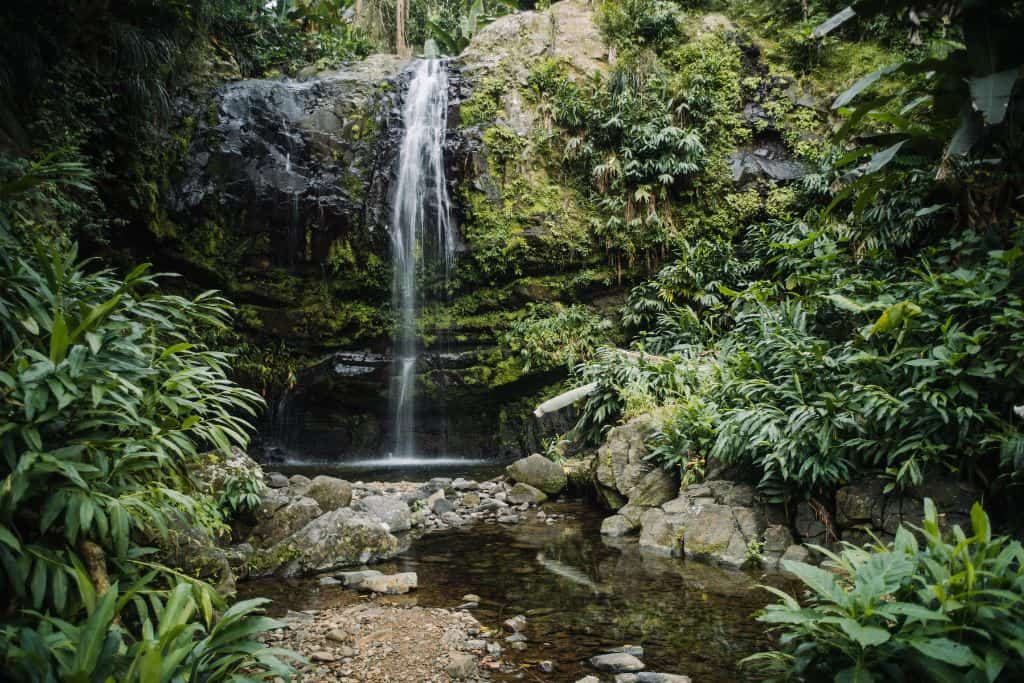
pixel 990 94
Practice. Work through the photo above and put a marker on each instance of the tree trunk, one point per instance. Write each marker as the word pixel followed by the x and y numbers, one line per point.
pixel 401 12
pixel 96 564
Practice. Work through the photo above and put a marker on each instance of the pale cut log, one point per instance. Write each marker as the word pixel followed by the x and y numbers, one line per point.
pixel 563 400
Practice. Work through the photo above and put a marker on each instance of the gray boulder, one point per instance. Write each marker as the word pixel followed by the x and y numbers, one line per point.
pixel 284 522
pixel 539 472
pixel 618 525
pixel 391 511
pixel 340 538
pixel 524 493
pixel 390 584
pixel 702 531
pixel 616 662
pixel 330 493
pixel 623 472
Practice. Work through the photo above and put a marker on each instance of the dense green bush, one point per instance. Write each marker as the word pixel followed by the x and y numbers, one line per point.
pixel 932 610
pixel 106 400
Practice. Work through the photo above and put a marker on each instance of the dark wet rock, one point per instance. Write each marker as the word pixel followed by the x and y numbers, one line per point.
pixel 856 503
pixel 392 511
pixel 616 662
pixel 196 553
pixel 356 577
pixel 538 472
pixel 809 525
pixel 766 160
pixel 524 493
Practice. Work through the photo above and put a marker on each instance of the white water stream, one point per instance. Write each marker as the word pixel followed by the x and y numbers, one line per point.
pixel 422 233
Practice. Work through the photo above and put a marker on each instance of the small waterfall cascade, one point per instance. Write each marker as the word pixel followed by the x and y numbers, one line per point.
pixel 422 233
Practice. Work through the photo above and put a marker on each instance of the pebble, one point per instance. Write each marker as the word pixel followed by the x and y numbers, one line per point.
pixel 323 656
pixel 508 519
pixel 461 484
pixel 470 597
pixel 516 624
pixel 462 666
pixel 493 649
pixel 329 581
pixel 547 666
pixel 337 635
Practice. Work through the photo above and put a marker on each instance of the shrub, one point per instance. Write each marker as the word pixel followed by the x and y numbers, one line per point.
pixel 927 610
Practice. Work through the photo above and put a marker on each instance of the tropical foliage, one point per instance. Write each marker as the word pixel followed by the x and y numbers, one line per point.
pixel 107 399
pixel 919 608
pixel 875 328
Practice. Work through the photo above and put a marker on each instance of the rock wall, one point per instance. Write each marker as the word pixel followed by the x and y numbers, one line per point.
pixel 725 522
pixel 284 204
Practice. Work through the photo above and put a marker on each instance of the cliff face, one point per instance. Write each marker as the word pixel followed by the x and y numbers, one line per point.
pixel 284 205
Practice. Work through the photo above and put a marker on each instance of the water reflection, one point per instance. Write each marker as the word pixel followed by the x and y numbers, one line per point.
pixel 582 594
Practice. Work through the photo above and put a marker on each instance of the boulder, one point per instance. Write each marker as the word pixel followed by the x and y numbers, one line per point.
pixel 442 505
pixel 271 500
pixel 623 471
pixel 856 503
pixel 460 484
pixel 195 553
pixel 652 677
pixel 808 525
pixel 330 493
pixel 701 530
pixel 616 662
pixel 618 525
pixel 389 584
pixel 284 522
pixel 794 553
pixel 538 472
pixel 524 493
pixel 214 470
pixel 337 539
pixel 276 480
pixel 352 579
pixel 394 512
pixel 776 539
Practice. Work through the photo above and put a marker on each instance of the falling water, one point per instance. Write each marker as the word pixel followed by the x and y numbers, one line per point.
pixel 421 231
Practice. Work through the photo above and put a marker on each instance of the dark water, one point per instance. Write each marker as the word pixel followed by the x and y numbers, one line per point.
pixel 581 593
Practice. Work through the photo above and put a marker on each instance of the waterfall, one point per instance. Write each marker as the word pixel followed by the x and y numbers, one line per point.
pixel 422 233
